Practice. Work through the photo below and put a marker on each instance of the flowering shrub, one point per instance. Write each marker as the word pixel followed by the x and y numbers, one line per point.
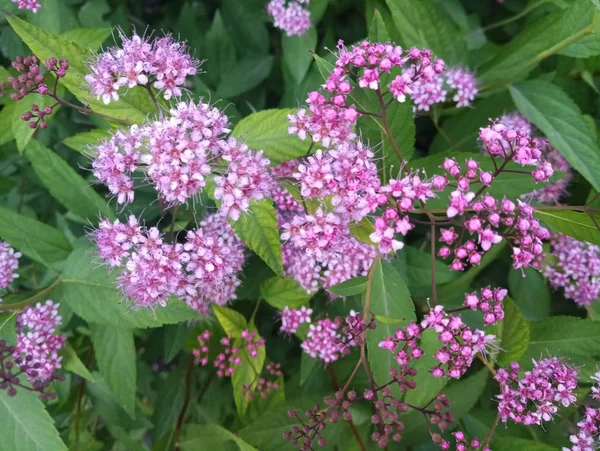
pixel 278 225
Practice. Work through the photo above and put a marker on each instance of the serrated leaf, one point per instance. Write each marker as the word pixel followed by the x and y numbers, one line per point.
pixel 545 37
pixel 562 336
pixel 72 362
pixel 577 225
pixel 350 287
pixel 170 395
pixel 378 31
pixel 41 243
pixel 559 118
pixel 82 141
pixel 88 38
pixel 219 51
pixel 231 321
pixel 65 185
pixel 530 292
pixel 135 106
pixel 245 75
pixel 115 354
pixel 26 426
pixel 258 229
pixel 268 131
pixel 174 340
pixel 22 132
pixel 211 436
pixel 513 443
pixel 297 53
pixel 286 292
pixel 513 333
pixel 422 25
pixel 389 295
pixel 91 292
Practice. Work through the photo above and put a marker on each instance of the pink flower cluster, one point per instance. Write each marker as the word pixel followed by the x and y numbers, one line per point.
pixel 575 268
pixel 292 319
pixel 266 384
pixel 552 192
pixel 535 397
pixel 201 271
pixel 518 146
pixel 586 438
pixel 290 16
pixel 489 302
pixel 462 444
pixel 32 5
pixel 525 234
pixel 346 172
pixel 460 343
pixel 330 120
pixel 37 342
pixel 9 263
pixel 163 62
pixel 326 342
pixel 459 81
pixel 247 178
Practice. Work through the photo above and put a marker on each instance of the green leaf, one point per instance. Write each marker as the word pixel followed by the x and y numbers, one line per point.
pixel 115 354
pixel 8 327
pixel 389 296
pixel 219 51
pixel 586 47
pixel 545 37
pixel 286 292
pixel 463 394
pixel 422 25
pixel 42 243
pixel 577 225
pixel 390 300
pixel 135 106
pixel 26 426
pixel 88 38
pixel 297 53
pixel 350 287
pixel 377 31
pixel 246 372
pixel 231 321
pixel 258 229
pixel 82 141
pixel 174 340
pixel 65 185
pixel 307 365
pixel 530 292
pixel 562 336
pixel 268 131
pixel 459 133
pixel 71 362
pixel 245 75
pixel 418 269
pixel 91 292
pixel 559 118
pixel 324 66
pixel 513 333
pixel 513 443
pixel 170 396
pixel 210 436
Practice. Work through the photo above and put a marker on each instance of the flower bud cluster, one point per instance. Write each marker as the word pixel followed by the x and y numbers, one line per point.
pixel 536 397
pixel 266 384
pixel 574 266
pixel 201 352
pixel 30 80
pixel 463 444
pixel 163 62
pixel 201 271
pixel 290 16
